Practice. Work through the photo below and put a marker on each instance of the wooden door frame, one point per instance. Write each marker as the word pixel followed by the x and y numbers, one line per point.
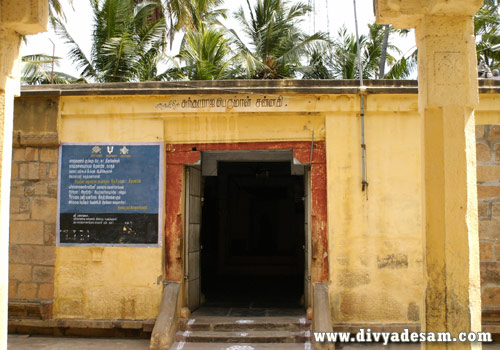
pixel 180 155
pixel 187 232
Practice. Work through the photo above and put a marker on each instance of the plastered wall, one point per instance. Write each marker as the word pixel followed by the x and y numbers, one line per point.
pixel 108 282
pixel 376 263
pixel 375 249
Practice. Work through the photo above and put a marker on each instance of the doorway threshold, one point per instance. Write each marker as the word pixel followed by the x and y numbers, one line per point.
pixel 207 310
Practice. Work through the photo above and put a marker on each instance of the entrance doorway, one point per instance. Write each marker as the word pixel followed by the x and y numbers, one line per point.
pixel 253 243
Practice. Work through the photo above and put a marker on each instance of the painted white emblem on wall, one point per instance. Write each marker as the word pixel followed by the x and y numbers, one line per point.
pixel 96 149
pixel 110 149
pixel 124 150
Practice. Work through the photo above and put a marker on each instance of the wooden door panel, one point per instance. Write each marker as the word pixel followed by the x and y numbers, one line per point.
pixel 192 239
pixel 307 241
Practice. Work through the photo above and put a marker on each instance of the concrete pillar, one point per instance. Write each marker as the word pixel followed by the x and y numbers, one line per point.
pixel 9 49
pixel 447 96
pixel 17 17
pixel 448 93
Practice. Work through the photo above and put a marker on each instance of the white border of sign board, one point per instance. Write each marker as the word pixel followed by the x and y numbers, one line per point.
pixel 160 196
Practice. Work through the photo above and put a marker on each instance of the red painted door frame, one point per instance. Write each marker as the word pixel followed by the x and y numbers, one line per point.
pixel 180 155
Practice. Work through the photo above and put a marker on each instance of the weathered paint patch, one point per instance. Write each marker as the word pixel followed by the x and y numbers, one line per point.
pixel 351 279
pixel 393 261
pixel 173 222
pixel 413 312
pixel 319 227
pixel 356 305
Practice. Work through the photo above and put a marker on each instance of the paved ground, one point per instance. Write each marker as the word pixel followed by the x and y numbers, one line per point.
pixel 20 342
pixel 401 347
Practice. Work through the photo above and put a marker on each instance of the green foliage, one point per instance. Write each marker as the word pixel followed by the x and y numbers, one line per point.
pixel 276 42
pixel 487 32
pixel 205 52
pixel 206 55
pixel 56 11
pixel 403 67
pixel 130 38
pixel 339 60
pixel 190 14
pixel 37 69
pixel 205 13
pixel 127 45
pixel 320 58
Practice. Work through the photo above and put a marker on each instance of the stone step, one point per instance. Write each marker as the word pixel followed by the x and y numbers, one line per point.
pixel 243 336
pixel 240 346
pixel 222 323
pixel 38 310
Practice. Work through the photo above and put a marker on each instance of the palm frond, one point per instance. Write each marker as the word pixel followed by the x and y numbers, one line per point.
pixel 277 43
pixel 76 54
pixel 403 67
pixel 40 69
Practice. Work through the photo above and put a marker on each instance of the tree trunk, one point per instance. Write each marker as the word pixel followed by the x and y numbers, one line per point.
pixel 383 55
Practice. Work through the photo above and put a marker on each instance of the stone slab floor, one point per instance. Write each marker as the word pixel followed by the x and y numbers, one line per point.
pixel 22 342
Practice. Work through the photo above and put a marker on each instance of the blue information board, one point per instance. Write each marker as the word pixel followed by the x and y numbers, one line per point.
pixel 109 193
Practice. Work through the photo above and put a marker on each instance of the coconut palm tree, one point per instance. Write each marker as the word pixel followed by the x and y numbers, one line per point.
pixel 487 32
pixel 205 52
pixel 381 52
pixel 185 15
pixel 206 55
pixel 204 13
pixel 38 69
pixel 128 41
pixel 56 11
pixel 344 56
pixel 319 56
pixel 339 60
pixel 277 44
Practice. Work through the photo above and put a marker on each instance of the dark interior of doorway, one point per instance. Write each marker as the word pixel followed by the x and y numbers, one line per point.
pixel 253 236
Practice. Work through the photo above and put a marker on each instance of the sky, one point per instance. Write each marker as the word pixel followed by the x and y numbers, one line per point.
pixel 328 16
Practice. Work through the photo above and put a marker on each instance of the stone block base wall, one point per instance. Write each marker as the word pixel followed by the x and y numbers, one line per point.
pixel 488 191
pixel 33 223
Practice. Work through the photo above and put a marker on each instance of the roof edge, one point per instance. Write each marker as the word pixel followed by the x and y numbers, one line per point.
pixel 302 87
pixel 225 87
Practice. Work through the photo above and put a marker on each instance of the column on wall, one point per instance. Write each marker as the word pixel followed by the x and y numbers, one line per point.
pixel 448 94
pixel 16 18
